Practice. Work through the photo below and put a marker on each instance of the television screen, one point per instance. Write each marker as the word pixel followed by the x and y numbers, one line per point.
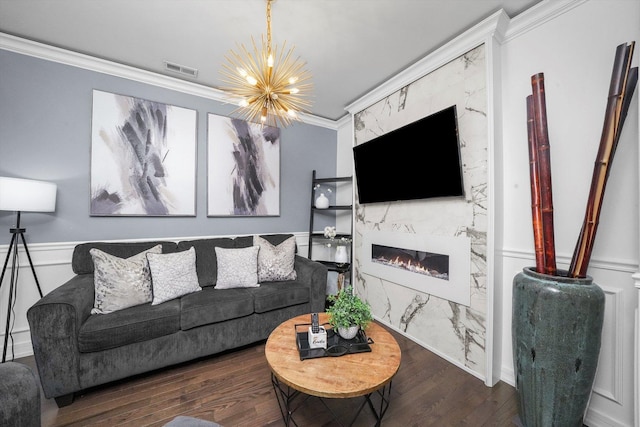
pixel 418 161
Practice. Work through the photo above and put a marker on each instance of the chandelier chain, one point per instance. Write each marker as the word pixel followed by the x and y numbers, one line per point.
pixel 269 25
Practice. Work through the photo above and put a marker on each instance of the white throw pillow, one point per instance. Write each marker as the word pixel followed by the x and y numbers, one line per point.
pixel 121 283
pixel 276 262
pixel 237 268
pixel 173 275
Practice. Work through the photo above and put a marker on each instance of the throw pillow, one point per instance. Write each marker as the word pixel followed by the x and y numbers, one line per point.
pixel 237 268
pixel 173 275
pixel 276 262
pixel 121 283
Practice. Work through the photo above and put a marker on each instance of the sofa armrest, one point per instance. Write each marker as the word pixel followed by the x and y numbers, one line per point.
pixel 315 275
pixel 54 323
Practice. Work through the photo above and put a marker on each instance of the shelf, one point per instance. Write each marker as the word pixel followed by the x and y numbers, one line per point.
pixel 337 179
pixel 338 236
pixel 318 237
pixel 334 208
pixel 332 266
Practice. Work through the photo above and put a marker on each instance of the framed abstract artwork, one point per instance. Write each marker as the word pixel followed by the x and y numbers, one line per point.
pixel 143 157
pixel 243 168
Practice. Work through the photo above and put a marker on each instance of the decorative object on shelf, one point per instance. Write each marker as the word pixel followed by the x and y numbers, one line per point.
pixel 272 87
pixel 348 313
pixel 22 195
pixel 341 256
pixel 558 315
pixel 330 232
pixel 322 202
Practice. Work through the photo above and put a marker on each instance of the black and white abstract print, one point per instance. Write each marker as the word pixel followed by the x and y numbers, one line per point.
pixel 143 157
pixel 243 168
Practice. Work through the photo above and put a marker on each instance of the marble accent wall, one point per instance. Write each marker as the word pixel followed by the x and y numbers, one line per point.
pixel 455 331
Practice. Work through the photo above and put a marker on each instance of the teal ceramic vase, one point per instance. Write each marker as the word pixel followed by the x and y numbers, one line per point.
pixel 556 330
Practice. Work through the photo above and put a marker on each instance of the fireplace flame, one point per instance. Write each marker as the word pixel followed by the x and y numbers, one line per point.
pixel 409 265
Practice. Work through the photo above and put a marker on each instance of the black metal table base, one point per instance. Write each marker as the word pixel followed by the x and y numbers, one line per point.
pixel 290 400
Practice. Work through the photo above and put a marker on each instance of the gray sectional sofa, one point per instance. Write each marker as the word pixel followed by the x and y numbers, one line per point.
pixel 75 350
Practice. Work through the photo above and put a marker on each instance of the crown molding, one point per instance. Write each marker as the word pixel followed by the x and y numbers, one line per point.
pixel 537 15
pixel 492 27
pixel 63 56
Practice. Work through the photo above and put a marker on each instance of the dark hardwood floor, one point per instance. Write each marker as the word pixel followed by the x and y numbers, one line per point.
pixel 234 389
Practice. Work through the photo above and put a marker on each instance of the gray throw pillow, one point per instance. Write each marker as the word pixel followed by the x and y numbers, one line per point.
pixel 276 263
pixel 173 275
pixel 121 283
pixel 237 268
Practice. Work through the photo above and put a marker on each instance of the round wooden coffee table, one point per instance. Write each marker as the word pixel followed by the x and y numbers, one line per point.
pixel 347 376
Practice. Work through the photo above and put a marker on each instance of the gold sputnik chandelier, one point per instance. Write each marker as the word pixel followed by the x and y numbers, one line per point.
pixel 271 85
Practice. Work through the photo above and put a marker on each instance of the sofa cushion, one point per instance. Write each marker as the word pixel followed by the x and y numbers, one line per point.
pixel 274 295
pixel 82 263
pixel 275 262
pixel 120 283
pixel 206 263
pixel 173 275
pixel 274 239
pixel 131 325
pixel 213 306
pixel 237 268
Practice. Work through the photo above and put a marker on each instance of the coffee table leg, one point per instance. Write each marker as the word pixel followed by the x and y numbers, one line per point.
pixel 385 398
pixel 285 396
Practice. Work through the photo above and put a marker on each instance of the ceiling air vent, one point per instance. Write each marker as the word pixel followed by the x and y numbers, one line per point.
pixel 177 68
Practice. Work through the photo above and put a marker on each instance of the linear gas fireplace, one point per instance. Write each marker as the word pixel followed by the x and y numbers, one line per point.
pixel 420 262
pixel 435 265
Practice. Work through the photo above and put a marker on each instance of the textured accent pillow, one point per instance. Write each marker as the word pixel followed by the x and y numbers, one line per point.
pixel 173 275
pixel 237 268
pixel 276 262
pixel 121 283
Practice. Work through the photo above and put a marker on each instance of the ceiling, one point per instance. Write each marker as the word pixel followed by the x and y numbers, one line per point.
pixel 350 46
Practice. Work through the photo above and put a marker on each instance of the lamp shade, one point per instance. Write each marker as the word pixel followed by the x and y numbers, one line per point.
pixel 27 195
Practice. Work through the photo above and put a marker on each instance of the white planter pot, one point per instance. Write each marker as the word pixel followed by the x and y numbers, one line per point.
pixel 348 333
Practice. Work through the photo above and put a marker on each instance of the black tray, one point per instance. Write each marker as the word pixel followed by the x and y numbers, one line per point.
pixel 336 345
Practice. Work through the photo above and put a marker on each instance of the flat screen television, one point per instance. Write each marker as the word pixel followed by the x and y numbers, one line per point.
pixel 418 161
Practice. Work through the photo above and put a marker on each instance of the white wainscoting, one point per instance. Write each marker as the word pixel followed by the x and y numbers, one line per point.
pixel 52 262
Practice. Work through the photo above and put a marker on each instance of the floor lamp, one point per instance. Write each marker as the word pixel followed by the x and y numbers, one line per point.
pixel 22 195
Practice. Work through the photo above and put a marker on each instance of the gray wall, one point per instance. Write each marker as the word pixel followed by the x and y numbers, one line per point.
pixel 45 133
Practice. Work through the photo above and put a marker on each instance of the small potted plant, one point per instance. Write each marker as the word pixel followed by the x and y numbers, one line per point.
pixel 348 313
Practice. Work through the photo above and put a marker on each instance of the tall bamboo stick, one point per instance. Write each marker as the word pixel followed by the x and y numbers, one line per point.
pixel 544 171
pixel 536 208
pixel 617 105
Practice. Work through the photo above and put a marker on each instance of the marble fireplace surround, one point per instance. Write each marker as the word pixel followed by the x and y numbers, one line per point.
pixel 460 73
pixel 454 288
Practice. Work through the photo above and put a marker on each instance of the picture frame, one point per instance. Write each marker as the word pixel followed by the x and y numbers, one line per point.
pixel 243 168
pixel 143 157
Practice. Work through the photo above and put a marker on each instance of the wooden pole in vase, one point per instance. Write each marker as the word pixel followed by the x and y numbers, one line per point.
pixel 615 113
pixel 544 171
pixel 534 176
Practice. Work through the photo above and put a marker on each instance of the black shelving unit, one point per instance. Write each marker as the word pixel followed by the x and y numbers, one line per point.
pixel 316 236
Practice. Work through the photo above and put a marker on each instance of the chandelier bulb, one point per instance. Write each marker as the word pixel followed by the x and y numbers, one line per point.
pixel 294 90
pixel 243 73
pixel 270 61
pixel 244 103
pixel 252 80
pixel 293 79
